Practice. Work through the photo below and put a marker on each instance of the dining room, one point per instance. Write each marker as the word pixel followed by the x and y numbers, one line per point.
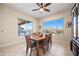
pixel 35 29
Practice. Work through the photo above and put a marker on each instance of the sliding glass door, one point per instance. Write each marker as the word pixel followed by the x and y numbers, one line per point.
pixel 75 24
pixel 78 20
pixel 25 27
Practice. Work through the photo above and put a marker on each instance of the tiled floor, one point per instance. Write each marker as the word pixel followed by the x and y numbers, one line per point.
pixel 59 48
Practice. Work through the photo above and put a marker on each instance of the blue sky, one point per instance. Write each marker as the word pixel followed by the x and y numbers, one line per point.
pixel 29 26
pixel 58 23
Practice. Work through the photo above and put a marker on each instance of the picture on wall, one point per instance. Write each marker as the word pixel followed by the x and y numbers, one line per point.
pixel 69 24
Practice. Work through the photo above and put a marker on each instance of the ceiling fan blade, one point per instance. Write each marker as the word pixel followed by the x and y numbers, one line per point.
pixel 38 4
pixel 47 10
pixel 41 4
pixel 35 9
pixel 47 4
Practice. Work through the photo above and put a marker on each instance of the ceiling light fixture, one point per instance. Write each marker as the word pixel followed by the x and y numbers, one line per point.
pixel 41 9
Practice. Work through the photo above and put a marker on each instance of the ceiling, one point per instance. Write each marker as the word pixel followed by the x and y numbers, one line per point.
pixel 28 7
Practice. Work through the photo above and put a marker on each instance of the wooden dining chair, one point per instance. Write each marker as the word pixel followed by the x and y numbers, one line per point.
pixel 50 39
pixel 34 46
pixel 27 43
pixel 46 42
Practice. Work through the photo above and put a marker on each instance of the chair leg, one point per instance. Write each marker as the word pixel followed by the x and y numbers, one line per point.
pixel 44 50
pixel 26 49
pixel 30 51
pixel 47 47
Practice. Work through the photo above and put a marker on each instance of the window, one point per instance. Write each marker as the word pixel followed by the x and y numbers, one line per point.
pixel 54 26
pixel 25 28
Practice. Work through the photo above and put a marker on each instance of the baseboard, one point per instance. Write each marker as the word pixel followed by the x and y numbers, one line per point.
pixel 11 43
pixel 63 41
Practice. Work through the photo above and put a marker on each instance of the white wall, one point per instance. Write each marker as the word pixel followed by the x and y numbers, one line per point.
pixel 67 17
pixel 9 21
pixel 8 25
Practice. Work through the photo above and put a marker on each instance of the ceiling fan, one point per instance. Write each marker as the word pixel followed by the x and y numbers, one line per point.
pixel 42 7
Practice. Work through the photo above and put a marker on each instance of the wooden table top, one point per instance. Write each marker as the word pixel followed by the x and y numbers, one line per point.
pixel 37 37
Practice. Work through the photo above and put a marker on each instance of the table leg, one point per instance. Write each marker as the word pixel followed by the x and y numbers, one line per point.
pixel 37 49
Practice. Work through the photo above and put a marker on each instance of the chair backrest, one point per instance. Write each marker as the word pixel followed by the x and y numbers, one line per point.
pixel 41 35
pixel 32 43
pixel 27 36
pixel 50 39
pixel 50 36
pixel 47 38
pixel 28 40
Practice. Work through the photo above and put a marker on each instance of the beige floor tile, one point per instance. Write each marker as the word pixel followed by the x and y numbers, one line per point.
pixel 59 48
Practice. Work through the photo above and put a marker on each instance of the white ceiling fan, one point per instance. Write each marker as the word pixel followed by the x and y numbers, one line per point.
pixel 42 7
